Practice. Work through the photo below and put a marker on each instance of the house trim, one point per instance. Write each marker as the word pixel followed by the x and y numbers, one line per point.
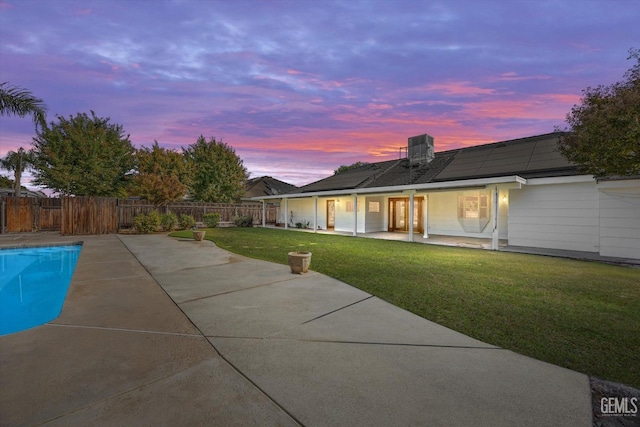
pixel 447 185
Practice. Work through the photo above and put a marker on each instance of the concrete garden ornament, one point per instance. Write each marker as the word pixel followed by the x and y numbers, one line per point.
pixel 198 234
pixel 299 262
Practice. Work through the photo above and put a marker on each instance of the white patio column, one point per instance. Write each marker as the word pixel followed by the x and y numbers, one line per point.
pixel 315 214
pixel 286 213
pixel 264 213
pixel 355 214
pixel 496 214
pixel 411 204
pixel 425 215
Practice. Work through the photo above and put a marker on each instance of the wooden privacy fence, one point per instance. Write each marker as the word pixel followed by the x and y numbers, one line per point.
pixel 89 215
pixel 20 214
pixel 105 215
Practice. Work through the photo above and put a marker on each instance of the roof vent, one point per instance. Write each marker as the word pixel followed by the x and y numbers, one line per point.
pixel 420 149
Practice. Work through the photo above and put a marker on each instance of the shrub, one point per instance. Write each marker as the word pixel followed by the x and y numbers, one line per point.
pixel 187 221
pixel 169 221
pixel 146 223
pixel 243 221
pixel 155 219
pixel 211 220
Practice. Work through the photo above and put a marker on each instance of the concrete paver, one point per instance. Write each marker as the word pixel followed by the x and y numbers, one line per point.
pixel 50 371
pixel 377 321
pixel 335 383
pixel 265 310
pixel 227 279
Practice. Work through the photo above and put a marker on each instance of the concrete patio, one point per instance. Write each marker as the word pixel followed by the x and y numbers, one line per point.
pixel 160 331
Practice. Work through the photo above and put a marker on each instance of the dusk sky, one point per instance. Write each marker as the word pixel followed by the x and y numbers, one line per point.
pixel 299 88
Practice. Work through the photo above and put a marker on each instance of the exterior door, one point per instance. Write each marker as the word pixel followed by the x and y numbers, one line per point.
pixel 399 214
pixel 331 214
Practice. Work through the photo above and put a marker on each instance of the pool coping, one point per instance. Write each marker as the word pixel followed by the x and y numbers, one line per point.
pixel 41 245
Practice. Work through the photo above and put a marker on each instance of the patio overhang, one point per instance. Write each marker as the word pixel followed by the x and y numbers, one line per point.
pixel 513 181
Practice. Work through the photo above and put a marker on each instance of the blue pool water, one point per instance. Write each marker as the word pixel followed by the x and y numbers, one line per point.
pixel 33 285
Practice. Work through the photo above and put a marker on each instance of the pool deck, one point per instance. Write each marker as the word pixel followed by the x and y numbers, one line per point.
pixel 162 331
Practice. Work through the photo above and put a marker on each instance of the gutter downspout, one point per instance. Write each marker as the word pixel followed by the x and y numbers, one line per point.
pixel 264 214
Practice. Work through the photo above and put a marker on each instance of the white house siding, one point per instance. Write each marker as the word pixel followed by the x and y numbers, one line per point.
pixel 442 216
pixel 620 219
pixel 375 221
pixel 544 214
pixel 344 219
pixel 302 211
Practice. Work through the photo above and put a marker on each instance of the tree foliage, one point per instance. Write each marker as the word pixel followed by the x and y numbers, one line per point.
pixel 84 156
pixel 163 175
pixel 345 168
pixel 218 172
pixel 20 102
pixel 17 162
pixel 6 182
pixel 604 130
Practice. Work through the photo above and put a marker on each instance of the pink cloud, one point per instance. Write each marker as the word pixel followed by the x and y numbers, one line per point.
pixel 459 89
pixel 513 76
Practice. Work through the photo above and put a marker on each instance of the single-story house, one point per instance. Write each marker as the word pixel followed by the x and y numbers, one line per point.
pixel 521 191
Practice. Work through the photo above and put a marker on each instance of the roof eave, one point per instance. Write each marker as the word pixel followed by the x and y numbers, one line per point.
pixel 478 182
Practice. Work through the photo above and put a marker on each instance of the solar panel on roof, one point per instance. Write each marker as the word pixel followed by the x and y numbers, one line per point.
pixel 508 158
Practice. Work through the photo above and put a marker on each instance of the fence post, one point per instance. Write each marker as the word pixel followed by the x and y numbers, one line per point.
pixel 2 215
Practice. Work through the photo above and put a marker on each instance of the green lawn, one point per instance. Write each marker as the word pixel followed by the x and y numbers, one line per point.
pixel 581 315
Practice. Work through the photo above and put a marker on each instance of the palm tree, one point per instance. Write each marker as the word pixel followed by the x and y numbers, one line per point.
pixel 17 162
pixel 20 102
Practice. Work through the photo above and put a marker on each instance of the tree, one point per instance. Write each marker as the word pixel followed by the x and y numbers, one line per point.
pixel 17 162
pixel 218 173
pixel 163 175
pixel 84 156
pixel 604 130
pixel 6 182
pixel 345 168
pixel 20 102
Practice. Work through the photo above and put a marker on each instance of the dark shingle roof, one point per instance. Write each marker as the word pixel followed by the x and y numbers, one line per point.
pixel 532 157
pixel 524 157
pixel 354 178
pixel 267 186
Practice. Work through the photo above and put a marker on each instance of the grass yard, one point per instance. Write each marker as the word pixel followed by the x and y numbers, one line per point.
pixel 581 315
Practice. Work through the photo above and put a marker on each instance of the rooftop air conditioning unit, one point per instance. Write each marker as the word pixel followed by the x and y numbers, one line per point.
pixel 420 149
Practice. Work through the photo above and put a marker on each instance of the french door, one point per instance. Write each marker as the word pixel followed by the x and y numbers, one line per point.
pixel 399 214
pixel 331 214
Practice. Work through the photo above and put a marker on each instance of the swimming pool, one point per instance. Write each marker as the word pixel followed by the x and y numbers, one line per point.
pixel 33 284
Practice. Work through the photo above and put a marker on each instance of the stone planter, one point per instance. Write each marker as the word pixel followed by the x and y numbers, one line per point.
pixel 199 234
pixel 299 262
